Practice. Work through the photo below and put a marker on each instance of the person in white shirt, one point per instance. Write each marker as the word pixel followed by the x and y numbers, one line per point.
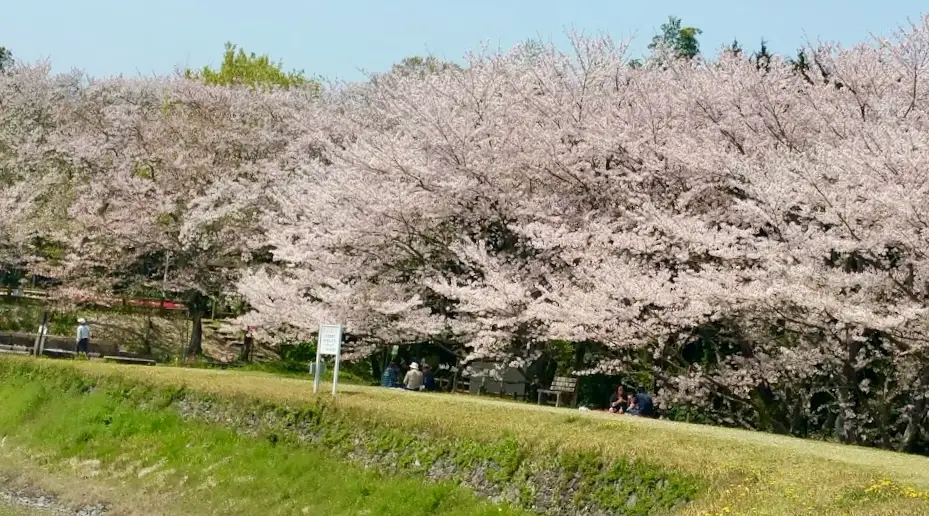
pixel 83 336
pixel 414 378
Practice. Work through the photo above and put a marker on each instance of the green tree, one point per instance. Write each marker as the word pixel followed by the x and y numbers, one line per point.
pixel 421 66
pixel 6 58
pixel 252 70
pixel 735 48
pixel 681 40
pixel 801 65
pixel 762 58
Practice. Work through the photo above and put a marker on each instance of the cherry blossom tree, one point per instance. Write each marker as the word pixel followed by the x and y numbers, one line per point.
pixel 751 238
pixel 814 250
pixel 33 170
pixel 169 181
pixel 496 153
pixel 750 235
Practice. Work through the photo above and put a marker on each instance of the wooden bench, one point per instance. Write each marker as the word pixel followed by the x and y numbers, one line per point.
pixel 462 384
pixel 59 353
pixel 514 391
pixel 561 386
pixel 66 353
pixel 443 384
pixel 215 363
pixel 129 360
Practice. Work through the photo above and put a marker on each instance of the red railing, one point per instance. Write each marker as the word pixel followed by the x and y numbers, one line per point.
pixel 110 301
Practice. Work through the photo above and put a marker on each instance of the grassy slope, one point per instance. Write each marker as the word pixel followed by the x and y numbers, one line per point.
pixel 749 472
pixel 185 467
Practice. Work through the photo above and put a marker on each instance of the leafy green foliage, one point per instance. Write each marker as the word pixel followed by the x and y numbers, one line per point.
pixel 682 40
pixel 239 68
pixel 11 277
pixel 762 58
pixel 422 66
pixel 735 48
pixel 6 58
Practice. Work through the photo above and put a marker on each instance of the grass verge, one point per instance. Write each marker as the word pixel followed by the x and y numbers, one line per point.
pixel 8 510
pixel 197 468
pixel 724 471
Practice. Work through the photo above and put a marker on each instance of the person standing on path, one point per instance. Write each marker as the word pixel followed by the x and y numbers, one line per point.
pixel 83 337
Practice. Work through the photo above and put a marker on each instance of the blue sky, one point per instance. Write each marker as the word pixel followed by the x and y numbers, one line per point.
pixel 338 39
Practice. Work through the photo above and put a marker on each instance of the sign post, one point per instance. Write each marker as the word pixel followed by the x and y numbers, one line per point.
pixel 329 342
pixel 37 349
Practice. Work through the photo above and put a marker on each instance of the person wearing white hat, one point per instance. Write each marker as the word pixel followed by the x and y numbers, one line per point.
pixel 83 336
pixel 414 378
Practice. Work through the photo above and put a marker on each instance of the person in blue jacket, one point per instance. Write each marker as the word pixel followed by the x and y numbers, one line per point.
pixel 642 404
pixel 428 379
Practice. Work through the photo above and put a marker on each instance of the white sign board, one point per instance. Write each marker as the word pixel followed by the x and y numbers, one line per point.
pixel 330 339
pixel 328 342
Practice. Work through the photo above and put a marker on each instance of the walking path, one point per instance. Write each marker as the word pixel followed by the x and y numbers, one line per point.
pixel 38 503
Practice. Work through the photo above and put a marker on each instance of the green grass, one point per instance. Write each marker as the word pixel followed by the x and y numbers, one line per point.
pixel 742 472
pixel 7 510
pixel 205 469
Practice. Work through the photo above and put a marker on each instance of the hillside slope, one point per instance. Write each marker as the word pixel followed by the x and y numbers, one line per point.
pixel 721 471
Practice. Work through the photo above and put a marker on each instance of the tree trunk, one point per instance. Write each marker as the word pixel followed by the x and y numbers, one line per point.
pixel 376 359
pixel 147 338
pixel 37 349
pixel 195 346
pixel 580 352
pixel 248 343
pixel 770 411
pixel 885 413
pixel 848 394
pixel 917 414
pixel 455 375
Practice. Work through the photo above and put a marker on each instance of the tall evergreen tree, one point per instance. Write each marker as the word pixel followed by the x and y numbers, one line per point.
pixel 735 48
pixel 762 58
pixel 6 58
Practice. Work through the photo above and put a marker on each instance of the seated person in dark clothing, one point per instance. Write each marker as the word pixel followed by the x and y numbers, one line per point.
pixel 643 404
pixel 428 378
pixel 618 402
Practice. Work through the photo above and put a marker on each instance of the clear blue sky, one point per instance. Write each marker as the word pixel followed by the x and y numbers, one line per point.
pixel 337 39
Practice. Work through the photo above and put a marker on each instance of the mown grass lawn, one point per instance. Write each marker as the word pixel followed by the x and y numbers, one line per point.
pixel 749 472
